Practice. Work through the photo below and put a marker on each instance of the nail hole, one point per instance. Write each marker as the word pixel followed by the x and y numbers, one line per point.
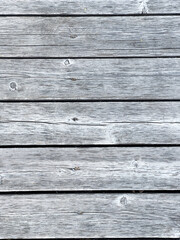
pixel 76 169
pixel 73 36
pixel 75 119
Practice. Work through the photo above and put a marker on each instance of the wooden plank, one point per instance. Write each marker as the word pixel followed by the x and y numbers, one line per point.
pixel 89 7
pixel 54 79
pixel 37 169
pixel 89 36
pixel 89 215
pixel 90 123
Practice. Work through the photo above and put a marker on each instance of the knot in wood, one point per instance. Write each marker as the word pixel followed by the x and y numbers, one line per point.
pixel 123 201
pixel 13 86
pixel 66 62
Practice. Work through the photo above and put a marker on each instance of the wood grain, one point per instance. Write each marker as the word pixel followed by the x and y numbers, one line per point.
pixel 87 79
pixel 90 215
pixel 90 123
pixel 89 36
pixel 74 7
pixel 133 168
pixel 101 54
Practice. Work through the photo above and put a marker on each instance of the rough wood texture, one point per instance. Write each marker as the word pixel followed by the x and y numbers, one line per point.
pixel 89 36
pixel 90 123
pixel 90 215
pixel 55 79
pixel 85 7
pixel 26 169
pixel 89 55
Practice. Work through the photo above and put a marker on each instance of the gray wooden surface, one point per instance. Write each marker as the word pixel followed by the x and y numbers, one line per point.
pixel 59 79
pixel 89 36
pixel 90 215
pixel 90 123
pixel 89 113
pixel 84 7
pixel 133 168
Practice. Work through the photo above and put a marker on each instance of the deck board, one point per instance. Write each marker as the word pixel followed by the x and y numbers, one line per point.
pixel 78 169
pixel 90 79
pixel 89 36
pixel 75 7
pixel 89 123
pixel 90 215
pixel 89 119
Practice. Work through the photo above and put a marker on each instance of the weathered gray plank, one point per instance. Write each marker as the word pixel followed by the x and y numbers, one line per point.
pixel 26 169
pixel 89 7
pixel 90 123
pixel 90 215
pixel 55 79
pixel 89 36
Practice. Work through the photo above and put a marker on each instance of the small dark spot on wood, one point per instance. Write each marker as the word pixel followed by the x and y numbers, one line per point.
pixel 80 213
pixel 67 62
pixel 136 158
pixel 26 228
pixel 73 36
pixel 13 86
pixel 76 169
pixel 75 119
pixel 135 164
pixel 123 201
pixel 73 79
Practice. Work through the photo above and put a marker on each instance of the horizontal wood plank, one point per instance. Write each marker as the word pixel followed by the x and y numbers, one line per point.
pixel 90 123
pixel 89 7
pixel 39 169
pixel 87 79
pixel 89 215
pixel 89 36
